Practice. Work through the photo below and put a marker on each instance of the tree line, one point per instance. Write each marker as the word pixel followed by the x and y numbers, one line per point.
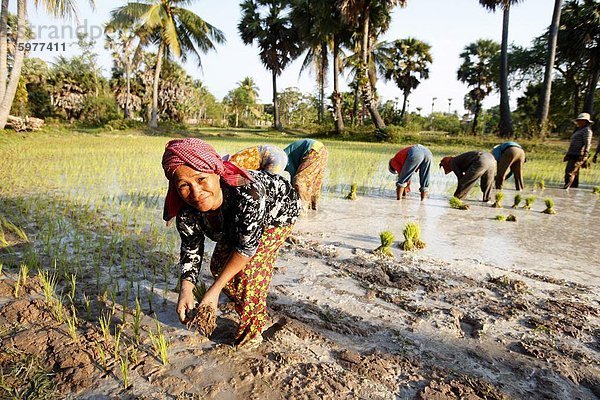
pixel 341 35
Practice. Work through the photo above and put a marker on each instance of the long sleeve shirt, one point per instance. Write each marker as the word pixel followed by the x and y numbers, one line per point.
pixel 461 163
pixel 246 212
pixel 296 152
pixel 581 142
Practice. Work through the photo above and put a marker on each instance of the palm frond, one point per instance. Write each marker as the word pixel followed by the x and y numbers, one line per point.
pixel 126 16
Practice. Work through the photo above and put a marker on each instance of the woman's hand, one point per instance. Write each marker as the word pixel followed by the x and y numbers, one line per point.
pixel 211 297
pixel 186 301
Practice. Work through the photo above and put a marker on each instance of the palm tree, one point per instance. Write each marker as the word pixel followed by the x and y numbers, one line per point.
pixel 268 23
pixel 321 28
pixel 406 62
pixel 478 70
pixel 506 126
pixel 176 30
pixel 370 18
pixel 547 87
pixel 579 40
pixel 8 88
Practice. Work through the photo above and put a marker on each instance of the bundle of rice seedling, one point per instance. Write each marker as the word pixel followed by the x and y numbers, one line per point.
pixel 412 237
pixel 596 190
pixel 511 218
pixel 387 238
pixel 455 202
pixel 500 217
pixel 528 202
pixel 517 201
pixel 541 184
pixel 549 206
pixel 352 195
pixel 499 196
pixel 204 320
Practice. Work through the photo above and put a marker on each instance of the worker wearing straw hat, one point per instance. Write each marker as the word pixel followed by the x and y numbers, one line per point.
pixel 579 150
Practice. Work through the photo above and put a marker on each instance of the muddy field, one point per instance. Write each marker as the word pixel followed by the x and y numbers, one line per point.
pixel 493 318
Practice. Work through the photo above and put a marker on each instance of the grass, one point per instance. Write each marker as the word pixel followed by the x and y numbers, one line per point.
pixel 160 344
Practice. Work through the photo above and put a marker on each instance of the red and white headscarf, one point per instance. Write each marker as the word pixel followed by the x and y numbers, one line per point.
pixel 201 156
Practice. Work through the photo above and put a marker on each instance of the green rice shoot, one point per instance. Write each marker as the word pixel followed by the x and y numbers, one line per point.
pixel 549 206
pixel 412 237
pixel 457 203
pixel 500 217
pixel 387 239
pixel 498 197
pixel 352 195
pixel 517 201
pixel 528 202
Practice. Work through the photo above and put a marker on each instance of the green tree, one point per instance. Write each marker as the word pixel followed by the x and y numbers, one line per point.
pixel 406 62
pixel 10 82
pixel 544 106
pixel 479 71
pixel 369 18
pixel 176 31
pixel 268 23
pixel 579 38
pixel 506 126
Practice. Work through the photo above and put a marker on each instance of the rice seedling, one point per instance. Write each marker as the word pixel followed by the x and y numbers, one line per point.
pixel 71 320
pixel 596 190
pixel 204 320
pixel 500 217
pixel 88 307
pixel 57 309
pixel 541 185
pixel 102 356
pixel 137 320
pixel 160 343
pixel 511 218
pixel 117 342
pixel 528 202
pixel 549 206
pixel 72 284
pixel 48 282
pixel 412 237
pixel 1 269
pixel 24 273
pixel 498 197
pixel 517 201
pixel 352 195
pixel 124 368
pixel 17 287
pixel 104 321
pixel 457 203
pixel 387 239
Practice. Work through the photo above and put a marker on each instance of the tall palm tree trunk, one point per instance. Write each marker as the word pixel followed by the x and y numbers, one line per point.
pixel 476 118
pixel 159 60
pixel 128 95
pixel 355 105
pixel 323 70
pixel 3 47
pixel 590 93
pixel 506 126
pixel 15 72
pixel 276 118
pixel 337 98
pixel 404 100
pixel 547 88
pixel 366 90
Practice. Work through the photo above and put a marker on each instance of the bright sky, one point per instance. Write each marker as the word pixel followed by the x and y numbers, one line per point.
pixel 447 25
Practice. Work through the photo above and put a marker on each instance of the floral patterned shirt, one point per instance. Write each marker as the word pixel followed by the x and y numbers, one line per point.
pixel 268 201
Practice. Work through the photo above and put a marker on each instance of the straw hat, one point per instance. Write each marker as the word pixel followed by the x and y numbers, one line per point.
pixel 585 117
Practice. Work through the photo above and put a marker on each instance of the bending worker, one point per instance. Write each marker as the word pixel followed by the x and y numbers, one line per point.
pixel 406 162
pixel 509 155
pixel 307 160
pixel 264 157
pixel 249 214
pixel 468 167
